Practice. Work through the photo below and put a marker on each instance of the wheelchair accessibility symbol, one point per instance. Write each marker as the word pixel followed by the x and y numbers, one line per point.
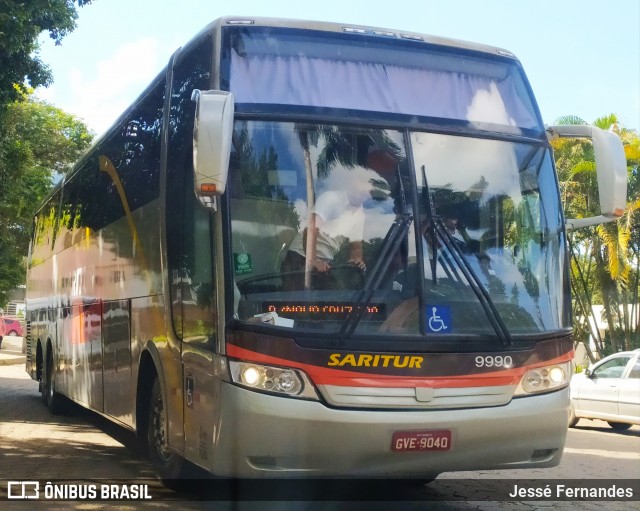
pixel 438 319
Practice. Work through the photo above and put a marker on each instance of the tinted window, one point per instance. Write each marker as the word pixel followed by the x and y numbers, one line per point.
pixel 189 241
pixel 122 173
pixel 135 150
pixel 46 229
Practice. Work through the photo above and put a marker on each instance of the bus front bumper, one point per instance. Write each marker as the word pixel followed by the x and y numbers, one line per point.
pixel 260 435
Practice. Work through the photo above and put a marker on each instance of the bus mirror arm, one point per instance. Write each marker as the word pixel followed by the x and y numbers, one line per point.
pixel 611 171
pixel 212 135
pixel 573 224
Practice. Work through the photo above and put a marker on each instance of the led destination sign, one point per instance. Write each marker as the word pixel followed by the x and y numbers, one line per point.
pixel 323 310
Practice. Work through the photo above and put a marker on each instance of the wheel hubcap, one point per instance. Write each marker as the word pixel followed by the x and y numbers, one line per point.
pixel 159 434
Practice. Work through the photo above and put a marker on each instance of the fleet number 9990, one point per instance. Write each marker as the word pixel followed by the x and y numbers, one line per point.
pixel 497 361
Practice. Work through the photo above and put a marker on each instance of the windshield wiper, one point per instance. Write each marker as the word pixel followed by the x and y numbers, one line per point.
pixel 392 242
pixel 431 213
pixel 474 281
pixel 437 228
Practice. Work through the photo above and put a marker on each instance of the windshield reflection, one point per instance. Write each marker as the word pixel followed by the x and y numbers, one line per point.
pixel 499 203
pixel 312 207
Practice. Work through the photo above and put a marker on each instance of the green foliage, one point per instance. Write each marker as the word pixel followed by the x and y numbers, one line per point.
pixel 37 142
pixel 21 23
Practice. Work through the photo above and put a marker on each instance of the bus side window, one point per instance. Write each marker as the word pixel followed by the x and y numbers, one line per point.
pixel 189 231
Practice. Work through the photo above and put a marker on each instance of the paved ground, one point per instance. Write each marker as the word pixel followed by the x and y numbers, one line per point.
pixel 11 351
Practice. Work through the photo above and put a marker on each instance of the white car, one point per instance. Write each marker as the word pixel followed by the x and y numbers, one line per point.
pixel 608 390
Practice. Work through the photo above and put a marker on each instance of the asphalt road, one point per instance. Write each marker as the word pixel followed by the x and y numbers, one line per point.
pixel 85 448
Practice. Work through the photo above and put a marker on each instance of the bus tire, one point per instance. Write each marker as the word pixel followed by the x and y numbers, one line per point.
pixel 168 464
pixel 573 420
pixel 53 400
pixel 619 426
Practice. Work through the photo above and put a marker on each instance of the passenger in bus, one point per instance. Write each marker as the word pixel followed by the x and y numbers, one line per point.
pixel 337 225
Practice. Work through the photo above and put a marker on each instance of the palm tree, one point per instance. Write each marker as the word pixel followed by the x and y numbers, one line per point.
pixel 605 258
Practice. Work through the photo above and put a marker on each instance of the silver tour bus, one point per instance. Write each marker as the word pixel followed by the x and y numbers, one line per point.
pixel 311 249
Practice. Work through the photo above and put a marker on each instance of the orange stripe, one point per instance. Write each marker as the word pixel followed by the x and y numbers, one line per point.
pixel 328 376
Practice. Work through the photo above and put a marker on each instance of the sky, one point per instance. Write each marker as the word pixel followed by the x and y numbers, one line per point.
pixel 582 57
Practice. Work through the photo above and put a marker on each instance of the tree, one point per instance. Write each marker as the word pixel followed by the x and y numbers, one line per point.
pixel 38 143
pixel 20 25
pixel 605 260
pixel 36 139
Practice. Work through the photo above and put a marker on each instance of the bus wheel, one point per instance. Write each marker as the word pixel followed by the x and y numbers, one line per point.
pixel 619 426
pixel 573 420
pixel 168 463
pixel 52 399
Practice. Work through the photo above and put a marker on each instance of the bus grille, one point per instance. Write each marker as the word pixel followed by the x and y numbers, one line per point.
pixel 417 398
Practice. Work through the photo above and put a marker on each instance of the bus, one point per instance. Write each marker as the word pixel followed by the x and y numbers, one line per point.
pixel 318 250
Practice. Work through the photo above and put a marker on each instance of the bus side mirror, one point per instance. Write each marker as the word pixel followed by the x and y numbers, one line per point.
pixel 212 132
pixel 611 170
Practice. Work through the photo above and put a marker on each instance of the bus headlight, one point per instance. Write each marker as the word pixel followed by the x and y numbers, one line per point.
pixel 250 376
pixel 544 379
pixel 277 380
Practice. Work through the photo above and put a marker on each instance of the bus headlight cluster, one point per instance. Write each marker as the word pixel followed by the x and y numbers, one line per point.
pixel 544 379
pixel 278 380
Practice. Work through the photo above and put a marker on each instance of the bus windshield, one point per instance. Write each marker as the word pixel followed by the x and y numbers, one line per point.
pixel 314 211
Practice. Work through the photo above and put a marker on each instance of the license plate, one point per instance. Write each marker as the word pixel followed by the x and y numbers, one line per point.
pixel 433 440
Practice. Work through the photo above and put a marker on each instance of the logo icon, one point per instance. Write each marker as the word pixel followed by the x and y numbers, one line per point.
pixel 242 263
pixel 23 490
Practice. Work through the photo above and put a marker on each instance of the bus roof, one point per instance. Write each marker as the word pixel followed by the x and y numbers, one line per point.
pixel 354 29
